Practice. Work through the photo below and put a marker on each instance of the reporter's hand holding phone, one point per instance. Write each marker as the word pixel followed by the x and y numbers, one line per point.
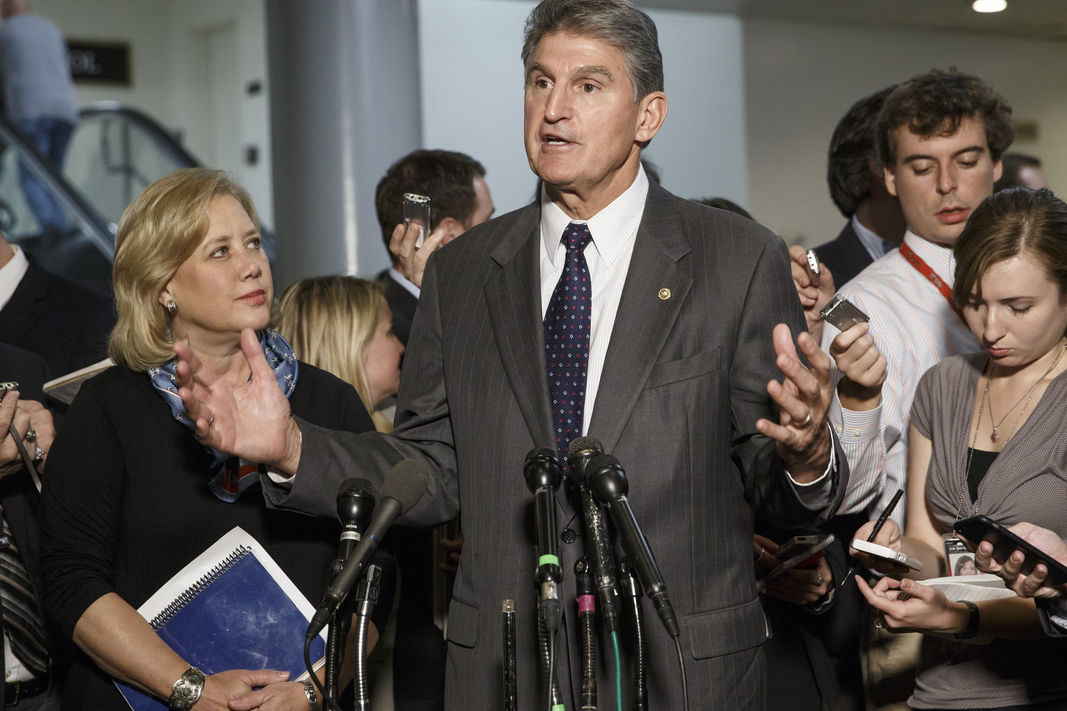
pixel 411 260
pixel 1032 585
pixel 890 537
pixel 799 586
pixel 863 367
pixel 814 290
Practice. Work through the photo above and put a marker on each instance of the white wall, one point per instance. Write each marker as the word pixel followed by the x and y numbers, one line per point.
pixel 472 96
pixel 800 79
pixel 191 60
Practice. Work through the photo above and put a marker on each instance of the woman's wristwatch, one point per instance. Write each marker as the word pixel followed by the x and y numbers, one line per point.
pixel 312 696
pixel 187 690
pixel 971 630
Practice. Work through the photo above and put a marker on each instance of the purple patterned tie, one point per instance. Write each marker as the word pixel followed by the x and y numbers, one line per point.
pixel 567 340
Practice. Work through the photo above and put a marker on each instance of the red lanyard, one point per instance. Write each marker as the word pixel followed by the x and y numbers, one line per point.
pixel 923 268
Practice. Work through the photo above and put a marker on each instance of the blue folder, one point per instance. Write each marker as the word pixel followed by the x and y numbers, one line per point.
pixel 234 617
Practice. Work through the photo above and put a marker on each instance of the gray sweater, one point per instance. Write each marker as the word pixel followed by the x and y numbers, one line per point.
pixel 34 70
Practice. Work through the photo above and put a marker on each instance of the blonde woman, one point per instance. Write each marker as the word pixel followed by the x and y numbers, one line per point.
pixel 343 325
pixel 132 496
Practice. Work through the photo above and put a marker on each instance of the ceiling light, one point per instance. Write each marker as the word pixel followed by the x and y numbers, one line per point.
pixel 989 5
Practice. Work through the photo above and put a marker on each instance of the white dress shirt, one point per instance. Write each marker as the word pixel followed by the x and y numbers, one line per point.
pixel 614 233
pixel 11 274
pixel 875 245
pixel 914 327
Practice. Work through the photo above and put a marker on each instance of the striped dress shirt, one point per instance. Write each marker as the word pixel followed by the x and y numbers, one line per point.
pixel 914 327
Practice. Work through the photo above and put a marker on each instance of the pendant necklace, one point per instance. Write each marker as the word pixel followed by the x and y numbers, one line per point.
pixel 1028 396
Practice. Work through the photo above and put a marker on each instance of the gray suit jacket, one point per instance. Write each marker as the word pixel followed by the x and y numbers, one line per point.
pixel 683 384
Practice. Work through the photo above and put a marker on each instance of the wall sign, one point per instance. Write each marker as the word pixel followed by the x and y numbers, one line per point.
pixel 99 62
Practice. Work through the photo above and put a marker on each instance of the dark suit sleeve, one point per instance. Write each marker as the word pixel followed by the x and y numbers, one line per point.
pixel 771 299
pixel 424 433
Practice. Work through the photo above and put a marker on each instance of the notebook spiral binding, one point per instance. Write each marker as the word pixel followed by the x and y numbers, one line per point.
pixel 199 586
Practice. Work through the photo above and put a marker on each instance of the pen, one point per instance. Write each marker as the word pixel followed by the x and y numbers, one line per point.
pixel 874 532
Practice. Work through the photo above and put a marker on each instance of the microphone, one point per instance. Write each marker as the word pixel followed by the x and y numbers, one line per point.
pixel 607 482
pixel 404 485
pixel 355 506
pixel 543 475
pixel 597 543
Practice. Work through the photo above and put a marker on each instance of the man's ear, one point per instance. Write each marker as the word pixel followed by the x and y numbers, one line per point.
pixel 998 170
pixel 650 119
pixel 452 228
pixel 890 181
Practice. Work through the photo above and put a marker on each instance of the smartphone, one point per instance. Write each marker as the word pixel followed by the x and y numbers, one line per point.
pixel 842 313
pixel 813 265
pixel 982 528
pixel 797 552
pixel 7 387
pixel 417 209
pixel 887 553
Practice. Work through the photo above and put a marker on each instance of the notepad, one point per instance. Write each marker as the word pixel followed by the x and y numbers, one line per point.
pixel 231 608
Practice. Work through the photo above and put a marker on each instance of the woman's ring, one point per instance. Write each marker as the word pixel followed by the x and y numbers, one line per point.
pixel 31 435
pixel 806 421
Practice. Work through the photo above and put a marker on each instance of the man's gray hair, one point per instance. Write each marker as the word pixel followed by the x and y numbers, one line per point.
pixel 616 22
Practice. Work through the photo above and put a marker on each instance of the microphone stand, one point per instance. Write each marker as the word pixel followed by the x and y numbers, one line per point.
pixel 511 681
pixel 366 595
pixel 340 622
pixel 631 590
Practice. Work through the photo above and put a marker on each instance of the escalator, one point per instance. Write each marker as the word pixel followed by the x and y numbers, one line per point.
pixel 115 152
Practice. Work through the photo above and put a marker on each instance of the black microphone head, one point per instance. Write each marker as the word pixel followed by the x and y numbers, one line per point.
pixel 606 478
pixel 542 469
pixel 580 451
pixel 355 503
pixel 406 483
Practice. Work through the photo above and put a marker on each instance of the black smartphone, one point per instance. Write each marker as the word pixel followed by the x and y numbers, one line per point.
pixel 797 552
pixel 842 313
pixel 982 528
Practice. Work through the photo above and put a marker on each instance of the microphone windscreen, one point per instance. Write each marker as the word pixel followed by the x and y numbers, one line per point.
pixel 405 482
pixel 354 487
pixel 579 444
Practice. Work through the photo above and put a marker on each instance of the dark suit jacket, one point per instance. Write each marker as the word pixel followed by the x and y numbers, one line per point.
pixel 62 322
pixel 683 384
pixel 846 256
pixel 402 303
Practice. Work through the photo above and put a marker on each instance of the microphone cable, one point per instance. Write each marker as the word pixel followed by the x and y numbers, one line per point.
pixel 586 600
pixel 366 595
pixel 632 591
pixel 546 639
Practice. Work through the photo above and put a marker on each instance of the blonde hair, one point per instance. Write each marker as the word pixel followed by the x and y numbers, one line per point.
pixel 330 321
pixel 158 231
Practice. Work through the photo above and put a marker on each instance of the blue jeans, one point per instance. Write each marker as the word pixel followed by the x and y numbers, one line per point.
pixel 50 136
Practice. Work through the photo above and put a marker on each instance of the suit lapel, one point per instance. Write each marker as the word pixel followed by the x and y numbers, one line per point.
pixel 645 317
pixel 513 298
pixel 20 312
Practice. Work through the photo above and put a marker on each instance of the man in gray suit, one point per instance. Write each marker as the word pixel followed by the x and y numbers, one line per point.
pixel 684 300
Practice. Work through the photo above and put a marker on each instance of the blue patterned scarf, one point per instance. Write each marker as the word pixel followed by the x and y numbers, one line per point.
pixel 230 476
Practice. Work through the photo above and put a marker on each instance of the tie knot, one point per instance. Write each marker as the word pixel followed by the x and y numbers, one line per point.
pixel 577 236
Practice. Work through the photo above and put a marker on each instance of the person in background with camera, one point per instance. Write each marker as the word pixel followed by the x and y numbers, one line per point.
pixel 131 495
pixel 986 439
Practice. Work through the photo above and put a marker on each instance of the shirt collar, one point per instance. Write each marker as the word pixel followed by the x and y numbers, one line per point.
pixel 937 256
pixel 403 281
pixel 609 228
pixel 11 274
pixel 872 242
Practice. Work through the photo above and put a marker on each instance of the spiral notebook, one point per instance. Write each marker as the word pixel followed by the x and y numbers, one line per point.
pixel 231 608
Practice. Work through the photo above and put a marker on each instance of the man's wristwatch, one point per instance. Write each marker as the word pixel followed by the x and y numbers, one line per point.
pixel 971 630
pixel 187 690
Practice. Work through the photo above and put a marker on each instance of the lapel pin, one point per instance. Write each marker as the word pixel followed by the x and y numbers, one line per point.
pixel 664 294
